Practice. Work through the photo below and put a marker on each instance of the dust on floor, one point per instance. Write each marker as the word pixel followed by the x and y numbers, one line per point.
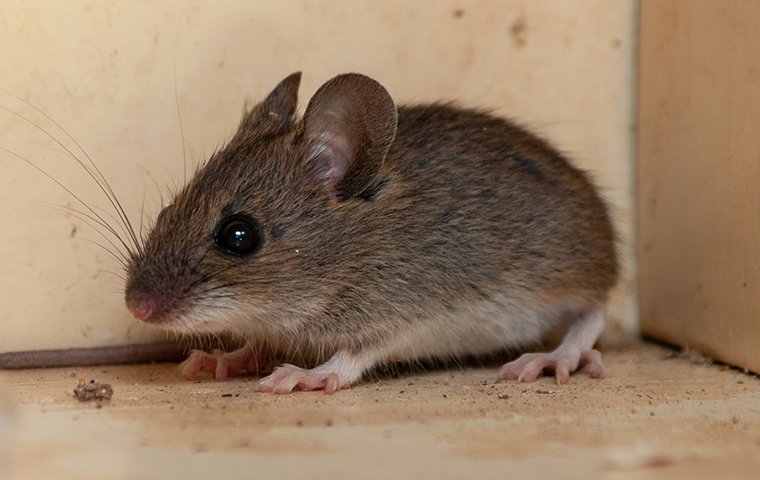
pixel 654 416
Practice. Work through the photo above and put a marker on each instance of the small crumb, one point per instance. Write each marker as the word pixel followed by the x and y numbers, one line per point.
pixel 502 396
pixel 86 391
pixel 541 391
pixel 226 395
pixel 518 31
pixel 444 396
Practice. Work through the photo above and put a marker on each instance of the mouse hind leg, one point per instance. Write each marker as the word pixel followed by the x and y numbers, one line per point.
pixel 575 351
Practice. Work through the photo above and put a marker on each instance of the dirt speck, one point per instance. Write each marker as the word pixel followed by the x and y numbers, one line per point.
pixel 86 391
pixel 458 13
pixel 518 31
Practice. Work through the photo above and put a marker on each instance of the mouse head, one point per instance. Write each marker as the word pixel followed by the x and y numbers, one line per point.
pixel 252 241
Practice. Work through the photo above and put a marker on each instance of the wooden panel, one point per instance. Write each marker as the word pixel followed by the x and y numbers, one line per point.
pixel 699 176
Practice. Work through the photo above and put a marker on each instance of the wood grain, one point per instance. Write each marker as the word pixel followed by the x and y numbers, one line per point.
pixel 699 176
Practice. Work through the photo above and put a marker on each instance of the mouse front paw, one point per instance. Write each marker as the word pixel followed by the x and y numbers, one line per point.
pixel 223 364
pixel 286 378
pixel 342 370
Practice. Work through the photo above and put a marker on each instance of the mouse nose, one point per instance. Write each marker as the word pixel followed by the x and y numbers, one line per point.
pixel 141 311
pixel 142 306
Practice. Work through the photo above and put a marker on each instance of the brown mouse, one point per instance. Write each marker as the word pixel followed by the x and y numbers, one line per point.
pixel 364 233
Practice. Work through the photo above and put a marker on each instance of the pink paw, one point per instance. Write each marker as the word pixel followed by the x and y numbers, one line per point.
pixel 285 378
pixel 530 366
pixel 222 364
pixel 341 371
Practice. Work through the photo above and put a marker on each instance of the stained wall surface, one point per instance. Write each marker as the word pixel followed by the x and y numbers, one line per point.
pixel 114 74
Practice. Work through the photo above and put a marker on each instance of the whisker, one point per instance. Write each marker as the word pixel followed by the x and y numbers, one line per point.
pixel 113 198
pixel 75 196
pixel 181 128
pixel 101 182
pixel 154 181
pixel 122 262
pixel 80 215
pixel 142 215
pixel 120 277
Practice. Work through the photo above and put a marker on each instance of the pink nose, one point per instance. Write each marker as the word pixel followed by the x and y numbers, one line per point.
pixel 142 306
pixel 142 312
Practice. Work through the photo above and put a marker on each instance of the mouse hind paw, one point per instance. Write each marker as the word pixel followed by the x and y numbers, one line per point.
pixel 575 351
pixel 530 366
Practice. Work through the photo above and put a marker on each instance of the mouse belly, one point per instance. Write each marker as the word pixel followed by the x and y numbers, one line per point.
pixel 474 330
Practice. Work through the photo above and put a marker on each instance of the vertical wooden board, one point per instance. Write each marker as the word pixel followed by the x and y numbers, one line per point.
pixel 699 176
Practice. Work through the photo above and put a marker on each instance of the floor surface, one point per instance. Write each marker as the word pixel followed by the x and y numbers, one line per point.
pixel 657 415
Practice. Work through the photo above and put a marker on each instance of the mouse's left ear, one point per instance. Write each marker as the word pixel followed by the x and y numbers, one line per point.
pixel 349 126
pixel 275 114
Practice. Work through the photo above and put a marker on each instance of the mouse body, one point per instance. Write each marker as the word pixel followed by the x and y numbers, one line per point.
pixel 363 233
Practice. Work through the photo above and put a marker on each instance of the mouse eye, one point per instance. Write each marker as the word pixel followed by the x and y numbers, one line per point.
pixel 238 235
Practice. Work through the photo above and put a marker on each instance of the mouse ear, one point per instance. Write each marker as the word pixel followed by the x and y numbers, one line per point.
pixel 274 114
pixel 349 126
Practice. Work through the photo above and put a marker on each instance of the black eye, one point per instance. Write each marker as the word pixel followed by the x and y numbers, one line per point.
pixel 238 235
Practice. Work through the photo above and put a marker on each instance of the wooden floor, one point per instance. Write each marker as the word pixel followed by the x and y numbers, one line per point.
pixel 654 416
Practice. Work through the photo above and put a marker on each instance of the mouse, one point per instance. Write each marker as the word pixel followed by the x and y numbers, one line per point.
pixel 363 232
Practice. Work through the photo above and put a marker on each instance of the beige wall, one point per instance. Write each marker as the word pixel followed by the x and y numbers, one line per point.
pixel 106 71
